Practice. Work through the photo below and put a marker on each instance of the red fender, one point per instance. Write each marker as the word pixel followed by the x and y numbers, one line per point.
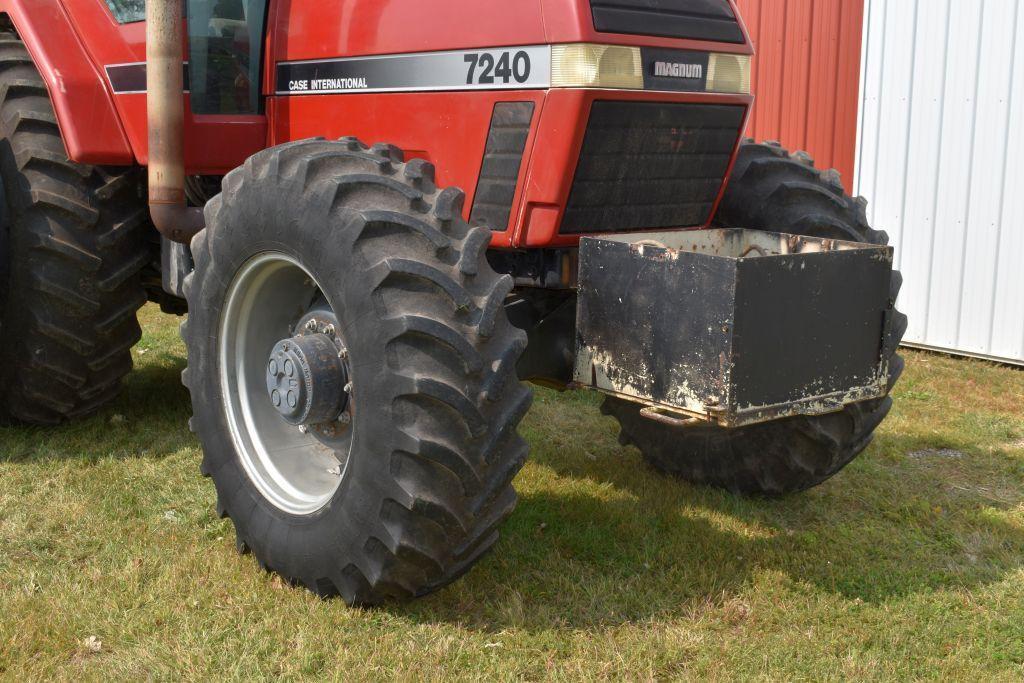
pixel 85 110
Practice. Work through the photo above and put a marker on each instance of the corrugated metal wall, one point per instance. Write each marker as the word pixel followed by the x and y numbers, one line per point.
pixel 806 76
pixel 941 157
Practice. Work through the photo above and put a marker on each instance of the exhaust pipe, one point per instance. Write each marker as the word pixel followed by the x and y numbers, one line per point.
pixel 165 110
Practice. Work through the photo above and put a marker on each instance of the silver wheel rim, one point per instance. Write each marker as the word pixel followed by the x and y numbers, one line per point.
pixel 295 469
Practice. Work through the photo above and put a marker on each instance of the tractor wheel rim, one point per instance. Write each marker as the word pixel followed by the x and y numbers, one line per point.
pixel 296 468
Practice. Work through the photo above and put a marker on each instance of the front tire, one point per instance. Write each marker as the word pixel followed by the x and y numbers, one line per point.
pixel 432 449
pixel 771 189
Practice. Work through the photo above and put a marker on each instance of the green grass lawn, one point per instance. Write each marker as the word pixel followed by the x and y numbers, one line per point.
pixel 910 563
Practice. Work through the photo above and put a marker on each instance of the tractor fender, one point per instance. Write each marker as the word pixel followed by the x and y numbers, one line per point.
pixel 86 114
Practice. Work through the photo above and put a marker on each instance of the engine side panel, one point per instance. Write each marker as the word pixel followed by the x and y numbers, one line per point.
pixel 314 29
pixel 447 125
pixel 448 130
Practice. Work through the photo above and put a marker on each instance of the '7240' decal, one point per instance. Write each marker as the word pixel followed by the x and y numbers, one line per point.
pixel 490 68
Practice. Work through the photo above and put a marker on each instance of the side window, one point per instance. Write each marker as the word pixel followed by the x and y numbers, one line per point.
pixel 225 55
pixel 127 11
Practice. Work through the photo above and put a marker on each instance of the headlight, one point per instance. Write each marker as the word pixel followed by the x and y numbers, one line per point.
pixel 729 73
pixel 585 65
pixel 596 66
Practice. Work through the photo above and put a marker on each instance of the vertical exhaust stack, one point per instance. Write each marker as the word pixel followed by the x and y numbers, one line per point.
pixel 165 106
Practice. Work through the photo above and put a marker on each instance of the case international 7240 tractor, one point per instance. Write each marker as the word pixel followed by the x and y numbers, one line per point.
pixel 358 327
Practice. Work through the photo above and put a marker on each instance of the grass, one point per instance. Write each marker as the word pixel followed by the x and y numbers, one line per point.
pixel 909 564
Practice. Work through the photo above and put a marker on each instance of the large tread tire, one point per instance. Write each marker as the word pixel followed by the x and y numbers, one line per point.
pixel 75 245
pixel 771 189
pixel 435 446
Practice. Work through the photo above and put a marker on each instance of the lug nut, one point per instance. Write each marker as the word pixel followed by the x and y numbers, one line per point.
pixel 311 325
pixel 344 418
pixel 303 429
pixel 342 353
pixel 348 388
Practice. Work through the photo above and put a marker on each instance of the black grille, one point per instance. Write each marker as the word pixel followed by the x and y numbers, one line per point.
pixel 693 19
pixel 651 165
pixel 503 157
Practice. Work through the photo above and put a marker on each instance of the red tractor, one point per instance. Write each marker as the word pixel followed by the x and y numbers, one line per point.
pixel 358 327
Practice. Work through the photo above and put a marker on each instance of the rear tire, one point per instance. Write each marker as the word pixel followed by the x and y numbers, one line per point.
pixel 72 252
pixel 433 445
pixel 771 189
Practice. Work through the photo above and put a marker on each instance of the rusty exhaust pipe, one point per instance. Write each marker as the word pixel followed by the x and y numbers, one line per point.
pixel 165 110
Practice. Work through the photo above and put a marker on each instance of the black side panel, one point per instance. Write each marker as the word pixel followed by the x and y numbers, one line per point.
pixel 653 325
pixel 649 165
pixel 808 325
pixel 503 157
pixel 131 78
pixel 694 19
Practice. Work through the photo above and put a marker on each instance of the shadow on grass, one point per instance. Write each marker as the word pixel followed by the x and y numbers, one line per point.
pixel 148 419
pixel 605 540
pixel 600 539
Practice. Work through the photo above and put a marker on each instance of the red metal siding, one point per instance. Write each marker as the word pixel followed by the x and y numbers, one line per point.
pixel 807 76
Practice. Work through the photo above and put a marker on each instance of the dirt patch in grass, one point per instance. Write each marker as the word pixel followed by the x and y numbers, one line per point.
pixel 938 453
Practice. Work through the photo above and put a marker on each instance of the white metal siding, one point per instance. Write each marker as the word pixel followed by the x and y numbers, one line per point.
pixel 941 159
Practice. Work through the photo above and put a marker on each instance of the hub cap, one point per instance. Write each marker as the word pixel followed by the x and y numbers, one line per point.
pixel 306 380
pixel 284 373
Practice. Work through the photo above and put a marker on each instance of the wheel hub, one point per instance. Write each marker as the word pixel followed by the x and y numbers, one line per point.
pixel 295 453
pixel 307 379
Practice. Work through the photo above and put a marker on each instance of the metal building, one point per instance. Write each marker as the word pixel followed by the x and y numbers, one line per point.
pixel 941 155
pixel 936 88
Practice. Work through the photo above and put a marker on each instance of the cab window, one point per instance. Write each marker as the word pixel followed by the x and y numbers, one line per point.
pixel 128 11
pixel 225 51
